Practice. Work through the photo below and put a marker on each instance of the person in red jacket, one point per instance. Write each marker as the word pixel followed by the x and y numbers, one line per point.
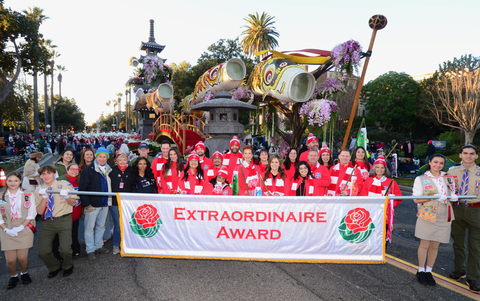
pixel 192 180
pixel 320 173
pixel 275 182
pixel 205 162
pixel 217 164
pixel 360 159
pixel 159 162
pixel 263 157
pixel 326 158
pixel 232 158
pixel 219 185
pixel 171 172
pixel 248 173
pixel 302 183
pixel 312 143
pixel 290 163
pixel 341 175
pixel 377 184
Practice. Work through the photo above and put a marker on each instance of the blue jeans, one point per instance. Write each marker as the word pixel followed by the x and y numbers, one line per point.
pixel 106 234
pixel 116 225
pixel 94 228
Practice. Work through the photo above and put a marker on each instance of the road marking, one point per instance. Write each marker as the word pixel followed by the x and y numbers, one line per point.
pixel 448 283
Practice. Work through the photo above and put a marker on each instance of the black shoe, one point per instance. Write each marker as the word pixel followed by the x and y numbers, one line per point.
pixel 430 280
pixel 26 278
pixel 473 286
pixel 68 272
pixel 102 250
pixel 457 275
pixel 421 277
pixel 54 273
pixel 12 282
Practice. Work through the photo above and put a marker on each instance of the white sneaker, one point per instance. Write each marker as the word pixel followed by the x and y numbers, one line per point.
pixel 116 250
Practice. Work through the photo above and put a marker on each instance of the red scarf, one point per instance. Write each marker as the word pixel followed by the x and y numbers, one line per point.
pixel 73 180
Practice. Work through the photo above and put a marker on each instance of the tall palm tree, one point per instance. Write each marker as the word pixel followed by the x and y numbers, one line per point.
pixel 260 33
pixel 46 71
pixel 60 69
pixel 54 54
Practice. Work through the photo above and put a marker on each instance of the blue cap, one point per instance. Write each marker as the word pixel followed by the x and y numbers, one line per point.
pixel 143 145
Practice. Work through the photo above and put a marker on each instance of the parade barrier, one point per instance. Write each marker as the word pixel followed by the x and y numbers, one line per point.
pixel 281 229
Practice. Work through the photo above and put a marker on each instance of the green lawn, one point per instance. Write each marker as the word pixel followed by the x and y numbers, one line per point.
pixel 405 181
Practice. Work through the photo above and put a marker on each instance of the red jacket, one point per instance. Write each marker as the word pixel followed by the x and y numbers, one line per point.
pixel 362 167
pixel 311 188
pixel 247 174
pixel 214 189
pixel 230 160
pixel 291 172
pixel 212 172
pixel 206 164
pixel 322 177
pixel 170 184
pixel 157 167
pixel 277 187
pixel 193 185
pixel 339 176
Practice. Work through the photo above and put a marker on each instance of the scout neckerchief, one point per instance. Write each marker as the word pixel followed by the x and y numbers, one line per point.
pixel 13 205
pixel 50 205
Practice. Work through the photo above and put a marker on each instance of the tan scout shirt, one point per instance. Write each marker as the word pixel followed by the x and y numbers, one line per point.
pixel 473 181
pixel 61 205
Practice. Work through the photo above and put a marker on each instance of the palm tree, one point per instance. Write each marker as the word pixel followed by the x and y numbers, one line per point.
pixel 48 44
pixel 60 68
pixel 260 34
pixel 54 54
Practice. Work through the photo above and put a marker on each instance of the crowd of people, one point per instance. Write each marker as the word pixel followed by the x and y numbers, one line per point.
pixel 310 173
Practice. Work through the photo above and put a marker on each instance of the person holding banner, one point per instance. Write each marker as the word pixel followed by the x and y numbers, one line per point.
pixel 345 180
pixel 18 214
pixel 192 180
pixel 360 160
pixel 121 181
pixel 143 178
pixel 312 143
pixel 248 173
pixel 303 183
pixel 326 158
pixel 263 160
pixel 232 158
pixel 290 163
pixel 320 173
pixel 434 218
pixel 275 182
pixel 380 183
pixel 171 172
pixel 217 159
pixel 220 185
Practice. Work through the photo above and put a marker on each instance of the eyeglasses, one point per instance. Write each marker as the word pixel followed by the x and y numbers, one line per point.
pixel 74 169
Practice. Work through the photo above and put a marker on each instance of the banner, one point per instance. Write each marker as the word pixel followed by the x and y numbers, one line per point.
pixel 293 229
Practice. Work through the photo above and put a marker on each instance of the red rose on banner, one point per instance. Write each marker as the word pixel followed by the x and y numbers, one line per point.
pixel 357 220
pixel 252 183
pixel 146 216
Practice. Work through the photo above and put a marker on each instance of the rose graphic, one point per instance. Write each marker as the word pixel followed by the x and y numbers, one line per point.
pixel 145 221
pixel 356 226
pixel 252 182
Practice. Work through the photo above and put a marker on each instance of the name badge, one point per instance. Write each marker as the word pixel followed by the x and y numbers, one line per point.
pixel 169 184
pixel 310 190
pixel 294 186
pixel 226 161
pixel 210 173
pixel 268 182
pixel 280 182
pixel 239 161
pixel 187 185
pixel 245 164
pixel 198 189
pixel 159 166
pixel 121 185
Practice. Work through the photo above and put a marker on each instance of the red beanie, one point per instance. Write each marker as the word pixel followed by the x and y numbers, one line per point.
pixel 200 145
pixel 234 141
pixel 380 160
pixel 311 138
pixel 325 149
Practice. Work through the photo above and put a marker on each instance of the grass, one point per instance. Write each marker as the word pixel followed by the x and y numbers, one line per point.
pixel 405 181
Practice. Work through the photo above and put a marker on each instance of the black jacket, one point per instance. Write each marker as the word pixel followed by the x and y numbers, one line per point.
pixel 117 176
pixel 151 180
pixel 90 181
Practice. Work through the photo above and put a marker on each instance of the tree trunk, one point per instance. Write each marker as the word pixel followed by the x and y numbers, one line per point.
pixel 45 100
pixel 52 106
pixel 298 127
pixel 36 125
pixel 9 84
pixel 469 135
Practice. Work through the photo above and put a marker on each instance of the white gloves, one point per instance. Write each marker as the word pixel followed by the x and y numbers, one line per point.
pixel 43 192
pixel 10 232
pixel 64 193
pixel 18 229
pixel 442 198
pixel 454 198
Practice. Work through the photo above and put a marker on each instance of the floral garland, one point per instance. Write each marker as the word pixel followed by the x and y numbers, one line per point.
pixel 319 111
pixel 329 87
pixel 346 57
pixel 153 67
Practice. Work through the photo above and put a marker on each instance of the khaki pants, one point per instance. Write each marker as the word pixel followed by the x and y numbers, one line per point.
pixel 63 227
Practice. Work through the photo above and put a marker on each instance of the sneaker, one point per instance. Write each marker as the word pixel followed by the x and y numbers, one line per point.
pixel 457 275
pixel 430 280
pixel 421 277
pixel 91 256
pixel 26 278
pixel 102 250
pixel 12 283
pixel 116 250
pixel 473 286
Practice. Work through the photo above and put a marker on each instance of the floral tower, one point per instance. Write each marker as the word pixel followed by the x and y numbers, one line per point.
pixel 151 84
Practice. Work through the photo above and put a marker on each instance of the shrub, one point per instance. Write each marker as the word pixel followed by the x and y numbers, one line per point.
pixel 453 140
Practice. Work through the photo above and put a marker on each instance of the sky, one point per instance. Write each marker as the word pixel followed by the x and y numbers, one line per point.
pixel 97 38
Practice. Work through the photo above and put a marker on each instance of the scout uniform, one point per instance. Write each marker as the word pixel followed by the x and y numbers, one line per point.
pixel 467 216
pixel 57 220
pixel 24 240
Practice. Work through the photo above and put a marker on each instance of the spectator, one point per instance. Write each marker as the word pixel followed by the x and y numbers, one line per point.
pixel 143 178
pixel 31 177
pixel 408 148
pixel 430 150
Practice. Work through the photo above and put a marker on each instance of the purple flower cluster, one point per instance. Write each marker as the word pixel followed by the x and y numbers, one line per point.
pixel 243 93
pixel 153 66
pixel 346 56
pixel 329 87
pixel 134 81
pixel 318 111
pixel 209 95
pixel 282 145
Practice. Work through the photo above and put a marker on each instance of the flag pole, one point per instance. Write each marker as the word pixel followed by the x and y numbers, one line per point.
pixel 376 22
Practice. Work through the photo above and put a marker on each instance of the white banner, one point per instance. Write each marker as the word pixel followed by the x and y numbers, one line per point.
pixel 297 229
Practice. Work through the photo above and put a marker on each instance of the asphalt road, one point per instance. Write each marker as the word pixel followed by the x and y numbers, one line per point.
pixel 112 277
